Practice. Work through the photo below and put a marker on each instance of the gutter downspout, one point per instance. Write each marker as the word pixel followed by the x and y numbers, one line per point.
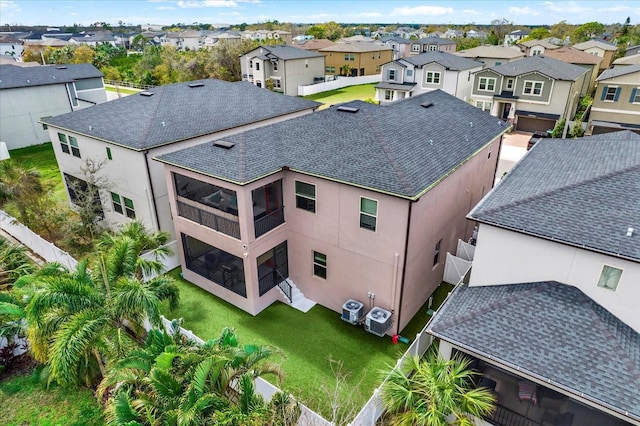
pixel 404 266
pixel 153 195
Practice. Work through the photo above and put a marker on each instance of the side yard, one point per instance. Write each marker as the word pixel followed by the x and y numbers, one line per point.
pixel 363 92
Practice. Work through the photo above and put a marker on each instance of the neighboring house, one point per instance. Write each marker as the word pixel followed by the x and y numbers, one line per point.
pixel 264 35
pixel 571 55
pixel 282 68
pixel 29 94
pixel 515 36
pixel 219 37
pixel 182 40
pixel 492 56
pixel 476 34
pixel 533 93
pixel 313 44
pixel 10 45
pixel 426 72
pixel 356 201
pixel 453 33
pixel 600 48
pixel 400 45
pixel 128 132
pixel 626 60
pixel 432 44
pixel 550 313
pixel 93 40
pixel 616 103
pixel 361 58
pixel 536 47
pixel 631 51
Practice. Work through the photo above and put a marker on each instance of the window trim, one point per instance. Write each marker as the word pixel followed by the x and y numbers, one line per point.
pixel 482 105
pixel 415 47
pixel 123 205
pixel 322 267
pixel 510 83
pixel 374 216
pixel 487 80
pixel 616 93
pixel 73 144
pixel 390 72
pixel 306 196
pixel 433 75
pixel 635 95
pixel 64 143
pixel 532 89
pixel 109 156
pixel 605 266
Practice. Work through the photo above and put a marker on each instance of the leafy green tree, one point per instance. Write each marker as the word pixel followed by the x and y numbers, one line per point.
pixel 81 319
pixel 558 129
pixel 21 186
pixel 537 34
pixel 434 392
pixel 587 31
pixel 317 31
pixel 561 30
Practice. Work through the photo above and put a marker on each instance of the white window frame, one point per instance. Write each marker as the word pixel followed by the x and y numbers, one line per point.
pixel 307 196
pixel 487 82
pixel 636 99
pixel 388 95
pixel 433 76
pixel 605 282
pixel 415 47
pixel 484 105
pixel 613 97
pixel 510 84
pixel 367 214
pixel 319 265
pixel 532 89
pixel 433 48
pixel 391 74
pixel 275 65
pixel 409 73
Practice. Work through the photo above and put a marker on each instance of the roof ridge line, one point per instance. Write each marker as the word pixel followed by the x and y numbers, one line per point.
pixel 561 188
pixel 147 130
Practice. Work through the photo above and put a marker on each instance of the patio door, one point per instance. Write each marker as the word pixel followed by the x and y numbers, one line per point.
pixel 273 267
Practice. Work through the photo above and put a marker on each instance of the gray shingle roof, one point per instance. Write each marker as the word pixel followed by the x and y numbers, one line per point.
pixel 401 149
pixel 287 52
pixel 498 52
pixel 581 192
pixel 12 76
pixel 177 112
pixel 605 45
pixel 447 60
pixel 618 71
pixel 550 67
pixel 550 331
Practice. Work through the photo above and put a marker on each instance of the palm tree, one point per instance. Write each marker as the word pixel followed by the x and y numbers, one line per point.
pixel 80 319
pixel 172 381
pixel 434 392
pixel 19 185
pixel 14 263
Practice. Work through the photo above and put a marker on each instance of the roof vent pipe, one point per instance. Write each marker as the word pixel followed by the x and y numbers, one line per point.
pixel 629 232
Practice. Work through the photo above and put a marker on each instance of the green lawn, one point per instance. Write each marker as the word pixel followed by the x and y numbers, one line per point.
pixel 25 401
pixel 42 158
pixel 305 342
pixel 124 91
pixel 338 96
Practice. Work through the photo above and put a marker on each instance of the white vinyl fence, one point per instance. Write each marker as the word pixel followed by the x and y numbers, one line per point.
pixel 338 83
pixel 35 242
pixel 169 262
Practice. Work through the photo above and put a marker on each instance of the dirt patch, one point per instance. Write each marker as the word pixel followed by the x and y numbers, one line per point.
pixel 22 365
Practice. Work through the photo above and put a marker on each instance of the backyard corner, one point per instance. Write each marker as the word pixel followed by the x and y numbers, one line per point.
pixel 361 92
pixel 309 347
pixel 43 159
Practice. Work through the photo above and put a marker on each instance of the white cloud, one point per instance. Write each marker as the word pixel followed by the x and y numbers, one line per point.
pixel 422 11
pixel 472 12
pixel 520 11
pixel 165 8
pixel 6 6
pixel 189 4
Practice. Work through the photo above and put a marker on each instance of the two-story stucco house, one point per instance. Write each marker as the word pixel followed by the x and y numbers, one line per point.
pixel 28 94
pixel 282 68
pixel 360 58
pixel 574 56
pixel 432 44
pixel 550 313
pixel 533 93
pixel 601 48
pixel 492 56
pixel 536 47
pixel 357 201
pixel 429 71
pixel 128 132
pixel 401 46
pixel 616 104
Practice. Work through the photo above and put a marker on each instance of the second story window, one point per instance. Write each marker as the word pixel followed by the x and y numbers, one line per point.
pixel 432 77
pixel 635 96
pixel 409 73
pixel 320 265
pixel 609 277
pixel 123 205
pixel 533 88
pixel 510 84
pixel 275 65
pixel 433 48
pixel 69 145
pixel 305 196
pixel 75 149
pixel 391 75
pixel 415 47
pixel 64 144
pixel 257 66
pixel 368 213
pixel 610 93
pixel 487 84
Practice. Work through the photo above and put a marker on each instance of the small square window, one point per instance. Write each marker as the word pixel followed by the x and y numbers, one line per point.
pixel 319 265
pixel 117 203
pixel 368 213
pixel 305 196
pixel 609 277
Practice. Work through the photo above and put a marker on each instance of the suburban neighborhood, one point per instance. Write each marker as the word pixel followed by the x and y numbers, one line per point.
pixel 326 223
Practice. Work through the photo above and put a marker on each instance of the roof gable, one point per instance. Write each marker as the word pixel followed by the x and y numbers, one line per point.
pixel 550 331
pixel 619 71
pixel 574 191
pixel 550 67
pixel 447 60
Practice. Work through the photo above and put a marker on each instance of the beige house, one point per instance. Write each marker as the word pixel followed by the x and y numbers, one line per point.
pixel 533 93
pixel 571 55
pixel 359 58
pixel 492 56
pixel 432 44
pixel 282 68
pixel 616 104
pixel 601 48
pixel 536 47
pixel 125 134
pixel 357 201
pixel 550 313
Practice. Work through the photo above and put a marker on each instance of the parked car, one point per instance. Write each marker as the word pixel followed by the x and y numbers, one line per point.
pixel 536 137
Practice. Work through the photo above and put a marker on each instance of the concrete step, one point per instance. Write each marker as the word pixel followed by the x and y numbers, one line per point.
pixel 304 305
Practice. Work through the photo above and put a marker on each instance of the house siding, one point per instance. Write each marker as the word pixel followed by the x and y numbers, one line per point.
pixel 370 61
pixel 622 110
pixel 531 259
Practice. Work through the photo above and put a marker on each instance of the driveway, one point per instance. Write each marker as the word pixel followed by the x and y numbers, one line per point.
pixel 514 147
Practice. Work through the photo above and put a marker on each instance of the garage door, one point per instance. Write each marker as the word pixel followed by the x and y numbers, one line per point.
pixel 529 124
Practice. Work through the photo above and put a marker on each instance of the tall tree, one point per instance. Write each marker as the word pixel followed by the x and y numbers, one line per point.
pixel 434 392
pixel 587 31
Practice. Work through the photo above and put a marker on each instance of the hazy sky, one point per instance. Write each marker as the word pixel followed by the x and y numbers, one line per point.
pixel 68 12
